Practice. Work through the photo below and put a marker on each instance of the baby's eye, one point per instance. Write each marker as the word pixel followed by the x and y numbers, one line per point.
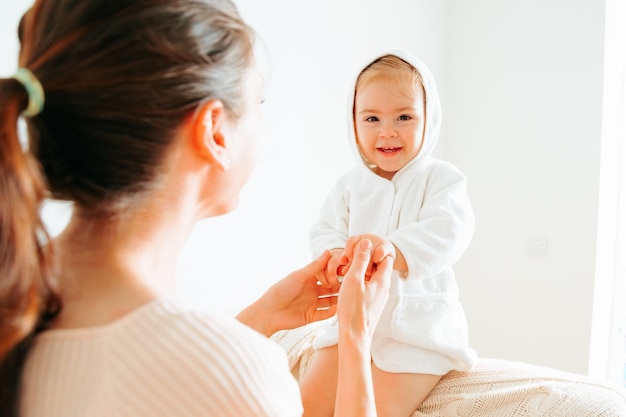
pixel 371 119
pixel 405 117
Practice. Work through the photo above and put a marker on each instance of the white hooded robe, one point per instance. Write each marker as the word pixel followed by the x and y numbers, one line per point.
pixel 425 212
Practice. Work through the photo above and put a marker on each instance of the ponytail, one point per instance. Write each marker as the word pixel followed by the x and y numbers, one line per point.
pixel 26 297
pixel 119 79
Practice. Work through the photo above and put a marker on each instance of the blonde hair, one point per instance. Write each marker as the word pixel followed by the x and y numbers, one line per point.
pixel 394 69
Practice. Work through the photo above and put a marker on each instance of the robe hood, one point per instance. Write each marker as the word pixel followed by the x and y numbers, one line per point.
pixel 432 123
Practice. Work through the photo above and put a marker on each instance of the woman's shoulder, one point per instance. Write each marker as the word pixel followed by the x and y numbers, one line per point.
pixel 187 362
pixel 167 316
pixel 229 364
pixel 170 327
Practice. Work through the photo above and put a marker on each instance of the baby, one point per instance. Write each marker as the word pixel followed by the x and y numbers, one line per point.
pixel 414 207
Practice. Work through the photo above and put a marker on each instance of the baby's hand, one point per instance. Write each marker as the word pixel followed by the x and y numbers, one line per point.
pixel 330 277
pixel 381 248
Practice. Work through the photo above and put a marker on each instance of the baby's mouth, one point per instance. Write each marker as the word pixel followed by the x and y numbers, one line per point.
pixel 388 149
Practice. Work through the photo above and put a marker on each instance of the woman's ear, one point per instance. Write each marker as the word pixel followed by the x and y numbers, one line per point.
pixel 208 133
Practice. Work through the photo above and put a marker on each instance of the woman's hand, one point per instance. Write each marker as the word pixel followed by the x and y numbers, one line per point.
pixel 294 301
pixel 363 296
pixel 329 277
pixel 382 248
pixel 359 307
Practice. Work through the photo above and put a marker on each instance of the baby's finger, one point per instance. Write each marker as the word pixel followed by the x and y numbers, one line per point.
pixel 379 254
pixel 342 270
pixel 349 249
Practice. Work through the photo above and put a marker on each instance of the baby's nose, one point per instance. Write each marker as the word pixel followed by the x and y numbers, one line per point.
pixel 387 130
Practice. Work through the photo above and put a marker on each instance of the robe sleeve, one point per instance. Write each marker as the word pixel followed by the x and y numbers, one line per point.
pixel 444 227
pixel 330 231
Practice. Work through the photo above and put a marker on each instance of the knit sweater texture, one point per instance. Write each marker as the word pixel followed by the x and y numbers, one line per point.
pixel 160 360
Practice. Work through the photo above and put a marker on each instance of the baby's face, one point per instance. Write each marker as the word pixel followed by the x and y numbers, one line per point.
pixel 389 124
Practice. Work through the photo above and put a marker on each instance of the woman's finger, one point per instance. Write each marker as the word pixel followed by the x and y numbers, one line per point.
pixel 326 301
pixel 316 267
pixel 381 276
pixel 323 291
pixel 324 313
pixel 360 259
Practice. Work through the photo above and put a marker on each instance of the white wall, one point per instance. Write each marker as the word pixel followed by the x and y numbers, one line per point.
pixel 522 99
pixel 521 86
pixel 315 47
pixel 56 214
pixel 524 123
pixel 608 338
pixel 10 13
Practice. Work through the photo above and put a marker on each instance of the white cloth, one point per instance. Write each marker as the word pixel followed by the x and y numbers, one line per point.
pixel 425 212
pixel 160 360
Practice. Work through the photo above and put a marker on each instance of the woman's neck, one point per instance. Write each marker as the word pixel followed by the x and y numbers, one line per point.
pixel 106 268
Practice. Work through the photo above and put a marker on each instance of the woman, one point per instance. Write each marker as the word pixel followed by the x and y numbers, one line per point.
pixel 145 114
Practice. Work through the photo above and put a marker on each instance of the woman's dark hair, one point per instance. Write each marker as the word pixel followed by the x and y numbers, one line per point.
pixel 120 77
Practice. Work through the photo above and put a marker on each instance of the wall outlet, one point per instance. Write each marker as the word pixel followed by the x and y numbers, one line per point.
pixel 536 246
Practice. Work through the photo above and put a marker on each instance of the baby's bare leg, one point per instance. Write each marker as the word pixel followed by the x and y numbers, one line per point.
pixel 399 395
pixel 319 385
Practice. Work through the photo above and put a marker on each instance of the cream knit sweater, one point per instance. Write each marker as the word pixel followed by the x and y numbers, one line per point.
pixel 160 360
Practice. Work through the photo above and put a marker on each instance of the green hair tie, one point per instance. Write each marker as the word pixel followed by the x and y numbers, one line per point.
pixel 34 90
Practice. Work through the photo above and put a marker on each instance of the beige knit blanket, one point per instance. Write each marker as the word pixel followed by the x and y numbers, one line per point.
pixel 494 388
